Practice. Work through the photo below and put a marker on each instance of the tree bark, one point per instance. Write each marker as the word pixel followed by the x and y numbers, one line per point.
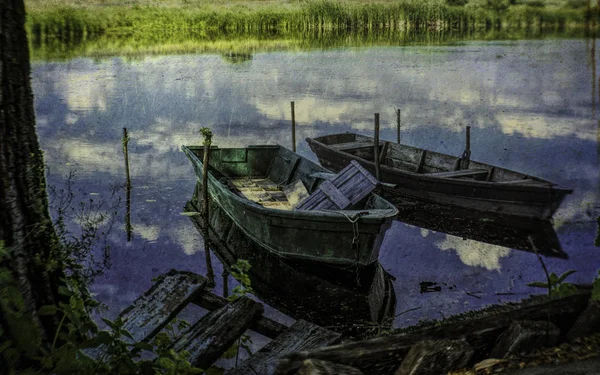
pixel 25 225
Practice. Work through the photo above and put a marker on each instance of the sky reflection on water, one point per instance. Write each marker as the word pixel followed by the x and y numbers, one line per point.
pixel 529 103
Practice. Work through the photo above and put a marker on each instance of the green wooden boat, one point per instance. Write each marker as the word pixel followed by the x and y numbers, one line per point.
pixel 258 187
pixel 350 301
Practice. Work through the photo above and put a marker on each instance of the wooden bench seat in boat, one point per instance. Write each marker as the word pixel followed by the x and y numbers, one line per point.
pixel 351 145
pixel 460 173
pixel 260 190
pixel 526 182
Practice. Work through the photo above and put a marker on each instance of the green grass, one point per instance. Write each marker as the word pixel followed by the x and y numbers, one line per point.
pixel 108 26
pixel 69 20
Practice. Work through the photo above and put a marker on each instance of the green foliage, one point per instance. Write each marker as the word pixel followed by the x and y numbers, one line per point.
pixel 457 2
pixel 596 288
pixel 556 286
pixel 156 25
pixel 239 271
pixel 22 347
pixel 207 135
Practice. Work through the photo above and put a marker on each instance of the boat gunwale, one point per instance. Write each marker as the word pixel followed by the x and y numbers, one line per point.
pixel 373 215
pixel 446 180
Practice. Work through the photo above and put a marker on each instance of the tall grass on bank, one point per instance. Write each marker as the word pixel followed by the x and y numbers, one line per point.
pixel 231 47
pixel 79 23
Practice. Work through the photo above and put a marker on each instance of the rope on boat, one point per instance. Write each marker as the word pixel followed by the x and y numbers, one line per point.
pixel 353 219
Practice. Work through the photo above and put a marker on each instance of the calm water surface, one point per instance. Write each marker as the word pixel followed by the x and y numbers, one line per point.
pixel 531 104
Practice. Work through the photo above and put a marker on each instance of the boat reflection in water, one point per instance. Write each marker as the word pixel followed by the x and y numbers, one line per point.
pixel 353 300
pixel 508 231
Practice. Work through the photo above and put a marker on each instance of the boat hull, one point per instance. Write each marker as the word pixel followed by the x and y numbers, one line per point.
pixel 536 202
pixel 319 236
pixel 300 289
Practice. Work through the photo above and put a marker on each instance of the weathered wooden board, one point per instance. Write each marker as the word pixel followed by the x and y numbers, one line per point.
pixel 333 193
pixel 352 145
pixel 460 173
pixel 302 335
pixel 382 355
pixel 263 325
pixel 525 182
pixel 148 314
pixel 212 335
pixel 340 192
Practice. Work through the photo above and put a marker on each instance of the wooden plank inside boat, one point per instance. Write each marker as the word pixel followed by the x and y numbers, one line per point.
pixel 461 173
pixel 302 335
pixel 352 145
pixel 262 191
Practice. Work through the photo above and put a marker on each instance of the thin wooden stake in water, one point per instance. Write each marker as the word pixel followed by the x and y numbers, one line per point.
pixel 207 134
pixel 293 128
pixel 466 157
pixel 128 227
pixel 225 275
pixel 468 145
pixel 398 120
pixel 376 148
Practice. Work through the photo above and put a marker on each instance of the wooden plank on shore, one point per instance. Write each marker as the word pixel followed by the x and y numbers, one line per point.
pixel 148 314
pixel 383 354
pixel 212 335
pixel 263 325
pixel 302 335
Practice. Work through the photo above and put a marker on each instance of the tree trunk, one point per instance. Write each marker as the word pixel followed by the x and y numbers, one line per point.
pixel 26 229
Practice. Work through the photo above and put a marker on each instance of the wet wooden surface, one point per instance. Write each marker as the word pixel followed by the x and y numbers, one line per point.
pixel 302 335
pixel 158 306
pixel 263 325
pixel 212 335
pixel 382 355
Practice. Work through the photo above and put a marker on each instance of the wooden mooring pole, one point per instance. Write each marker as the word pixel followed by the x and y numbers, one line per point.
pixel 468 140
pixel 128 227
pixel 466 157
pixel 376 148
pixel 398 123
pixel 225 275
pixel 207 134
pixel 293 128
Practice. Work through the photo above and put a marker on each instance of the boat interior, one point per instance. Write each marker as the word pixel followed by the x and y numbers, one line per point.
pixel 272 176
pixel 425 162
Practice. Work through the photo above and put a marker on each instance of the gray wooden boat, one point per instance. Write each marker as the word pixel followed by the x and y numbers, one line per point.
pixel 257 187
pixel 441 178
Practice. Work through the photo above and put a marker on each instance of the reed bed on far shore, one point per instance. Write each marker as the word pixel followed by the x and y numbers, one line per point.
pixel 71 22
